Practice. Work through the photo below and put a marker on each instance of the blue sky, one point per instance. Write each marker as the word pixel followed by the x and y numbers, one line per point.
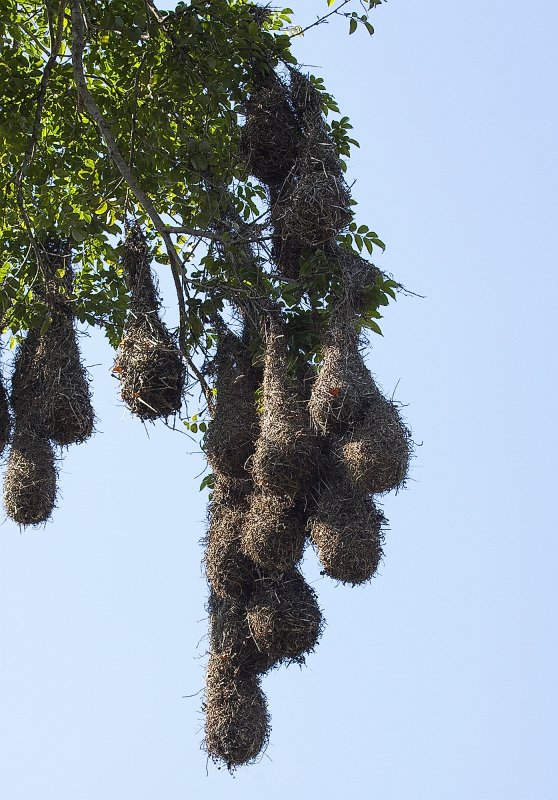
pixel 438 680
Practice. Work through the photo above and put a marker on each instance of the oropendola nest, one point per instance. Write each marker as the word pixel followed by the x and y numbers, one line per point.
pixel 50 381
pixel 274 532
pixel 377 452
pixel 359 278
pixel 286 250
pixel 231 434
pixel 5 417
pixel 271 135
pixel 287 450
pixel 230 636
pixel 347 529
pixel 284 617
pixel 30 475
pixel 344 389
pixel 236 716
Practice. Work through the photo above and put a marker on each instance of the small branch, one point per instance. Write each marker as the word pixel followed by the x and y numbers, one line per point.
pixel 323 19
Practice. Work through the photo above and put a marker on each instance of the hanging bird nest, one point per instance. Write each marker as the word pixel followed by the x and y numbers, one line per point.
pixel 274 532
pixel 5 417
pixel 237 720
pixel 287 450
pixel 359 277
pixel 231 434
pixel 347 529
pixel 50 381
pixel 30 475
pixel 344 389
pixel 230 637
pixel 271 136
pixel 286 251
pixel 284 617
pixel 377 452
pixel 136 262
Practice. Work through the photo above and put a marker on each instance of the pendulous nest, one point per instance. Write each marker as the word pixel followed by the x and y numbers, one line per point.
pixel 287 450
pixel 30 475
pixel 236 716
pixel 230 637
pixel 274 532
pixel 271 136
pixel 344 389
pixel 284 617
pixel 376 453
pixel 231 434
pixel 359 278
pixel 347 529
pixel 5 417
pixel 50 381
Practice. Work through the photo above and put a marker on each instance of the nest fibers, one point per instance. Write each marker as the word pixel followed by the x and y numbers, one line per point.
pixel 50 381
pixel 287 451
pixel 347 529
pixel 148 363
pixel 5 418
pixel 231 435
pixel 284 617
pixel 236 721
pixel 271 136
pixel 274 532
pixel 30 476
pixel 231 639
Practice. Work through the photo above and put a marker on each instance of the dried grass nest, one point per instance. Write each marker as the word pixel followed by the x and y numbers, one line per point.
pixel 284 617
pixel 5 417
pixel 230 637
pixel 231 434
pixel 274 532
pixel 30 475
pixel 347 529
pixel 236 716
pixel 50 380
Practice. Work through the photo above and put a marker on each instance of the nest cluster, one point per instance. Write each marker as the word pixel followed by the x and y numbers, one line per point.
pixel 148 363
pixel 50 396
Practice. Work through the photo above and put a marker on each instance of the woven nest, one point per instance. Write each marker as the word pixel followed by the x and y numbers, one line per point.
pixel 344 389
pixel 271 136
pixel 274 532
pixel 229 572
pixel 231 435
pixel 377 452
pixel 359 277
pixel 286 250
pixel 287 451
pixel 136 262
pixel 30 476
pixel 50 379
pixel 306 99
pixel 150 369
pixel 284 617
pixel 230 637
pixel 347 530
pixel 5 417
pixel 237 720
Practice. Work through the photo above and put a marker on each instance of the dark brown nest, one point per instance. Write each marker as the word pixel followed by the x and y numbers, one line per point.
pixel 230 637
pixel 377 452
pixel 347 530
pixel 344 389
pixel 287 451
pixel 271 135
pixel 284 617
pixel 274 532
pixel 150 368
pixel 30 476
pixel 50 380
pixel 231 435
pixel 5 417
pixel 237 720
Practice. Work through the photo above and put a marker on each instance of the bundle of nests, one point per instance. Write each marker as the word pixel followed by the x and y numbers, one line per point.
pixel 148 362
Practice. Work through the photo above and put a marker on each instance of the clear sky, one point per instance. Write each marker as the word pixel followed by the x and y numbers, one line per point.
pixel 438 681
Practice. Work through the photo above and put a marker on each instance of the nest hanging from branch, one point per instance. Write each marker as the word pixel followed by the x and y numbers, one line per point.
pixel 148 363
pixel 236 716
pixel 30 475
pixel 284 617
pixel 274 532
pixel 231 435
pixel 230 637
pixel 347 529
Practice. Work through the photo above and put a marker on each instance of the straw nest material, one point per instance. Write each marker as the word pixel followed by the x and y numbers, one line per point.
pixel 284 617
pixel 50 380
pixel 5 418
pixel 274 532
pixel 287 450
pixel 286 251
pixel 30 476
pixel 344 389
pixel 231 434
pixel 347 529
pixel 377 452
pixel 230 637
pixel 270 137
pixel 237 720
